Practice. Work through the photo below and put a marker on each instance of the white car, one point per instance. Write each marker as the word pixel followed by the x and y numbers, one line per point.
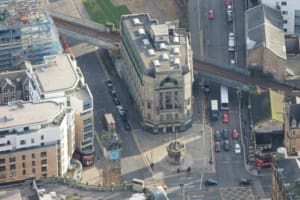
pixel 231 42
pixel 237 149
pixel 120 110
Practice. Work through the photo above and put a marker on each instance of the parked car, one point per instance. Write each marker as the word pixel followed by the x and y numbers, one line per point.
pixel 120 110
pixel 218 136
pixel 226 145
pixel 109 83
pixel 245 181
pixel 127 126
pixel 206 90
pixel 209 182
pixel 113 93
pixel 225 134
pixel 116 101
pixel 227 2
pixel 211 14
pixel 235 134
pixel 231 41
pixel 229 13
pixel 218 147
pixel 237 149
pixel 225 118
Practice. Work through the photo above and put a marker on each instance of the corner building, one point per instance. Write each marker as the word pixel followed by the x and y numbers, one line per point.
pixel 158 72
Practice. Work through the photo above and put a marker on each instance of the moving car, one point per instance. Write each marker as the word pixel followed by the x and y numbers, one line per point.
pixel 209 182
pixel 226 145
pixel 225 118
pixel 245 181
pixel 211 14
pixel 218 136
pixel 109 84
pixel 218 147
pixel 237 149
pixel 235 134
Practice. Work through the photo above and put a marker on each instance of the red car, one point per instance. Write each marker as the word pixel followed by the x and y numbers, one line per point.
pixel 225 118
pixel 218 147
pixel 211 14
pixel 235 134
pixel 227 2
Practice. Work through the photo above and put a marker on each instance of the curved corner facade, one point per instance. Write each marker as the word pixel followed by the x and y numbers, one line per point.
pixel 158 72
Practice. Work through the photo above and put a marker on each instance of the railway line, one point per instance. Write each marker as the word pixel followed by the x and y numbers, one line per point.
pixel 198 65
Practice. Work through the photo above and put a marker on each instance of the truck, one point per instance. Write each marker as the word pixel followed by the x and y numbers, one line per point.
pixel 109 123
pixel 214 110
pixel 224 98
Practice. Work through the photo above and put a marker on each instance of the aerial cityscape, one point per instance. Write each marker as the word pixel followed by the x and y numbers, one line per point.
pixel 149 100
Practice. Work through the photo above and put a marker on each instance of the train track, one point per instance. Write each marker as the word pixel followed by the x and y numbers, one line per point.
pixel 198 65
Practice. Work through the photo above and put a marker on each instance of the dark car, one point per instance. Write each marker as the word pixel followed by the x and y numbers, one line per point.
pixel 245 181
pixel 218 136
pixel 113 93
pixel 109 84
pixel 226 145
pixel 209 182
pixel 206 90
pixel 225 134
pixel 127 126
pixel 116 101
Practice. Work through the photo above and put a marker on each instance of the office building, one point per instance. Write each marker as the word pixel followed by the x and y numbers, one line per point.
pixel 158 72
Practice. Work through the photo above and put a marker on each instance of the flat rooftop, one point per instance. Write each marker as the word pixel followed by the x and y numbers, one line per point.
pixel 168 53
pixel 27 114
pixel 56 74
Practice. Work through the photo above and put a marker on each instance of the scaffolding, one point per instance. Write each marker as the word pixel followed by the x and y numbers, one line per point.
pixel 26 33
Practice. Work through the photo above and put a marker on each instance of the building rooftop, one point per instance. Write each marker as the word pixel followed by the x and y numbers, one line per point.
pixel 264 26
pixel 160 47
pixel 24 114
pixel 15 78
pixel 56 74
pixel 268 105
pixel 288 171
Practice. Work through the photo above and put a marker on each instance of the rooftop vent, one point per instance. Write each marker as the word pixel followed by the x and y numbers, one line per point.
pixel 141 31
pixel 176 40
pixel 176 50
pixel 164 56
pixel 151 52
pixel 155 63
pixel 162 46
pixel 176 61
pixel 136 21
pixel 146 42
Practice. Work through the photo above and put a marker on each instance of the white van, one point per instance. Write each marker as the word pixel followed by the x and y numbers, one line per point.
pixel 231 42
pixel 237 149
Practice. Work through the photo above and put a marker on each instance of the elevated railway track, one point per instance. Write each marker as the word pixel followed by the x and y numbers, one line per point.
pixel 201 66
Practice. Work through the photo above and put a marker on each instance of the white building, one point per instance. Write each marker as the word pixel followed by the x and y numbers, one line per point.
pixel 37 140
pixel 290 10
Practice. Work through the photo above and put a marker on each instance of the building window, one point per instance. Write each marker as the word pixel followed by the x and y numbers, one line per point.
pixel 43 154
pixel 33 163
pixel 149 116
pixel 283 3
pixel 44 161
pixel 12 167
pixel 33 156
pixel 2 169
pixel 23 157
pixel 285 21
pixel 13 174
pixel 12 159
pixel 5 99
pixel 23 165
pixel 22 142
pixel 2 160
pixel 33 170
pixel 161 117
pixel 44 175
pixel 148 105
pixel 168 100
pixel 24 171
pixel 44 169
pixel 2 175
pixel 5 90
pixel 169 116
pixel 32 140
pixel 161 102
pixel 176 116
pixel 42 137
pixel 285 12
pixel 175 99
pixel 285 30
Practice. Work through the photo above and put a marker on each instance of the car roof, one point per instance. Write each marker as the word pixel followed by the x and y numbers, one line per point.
pixel 237 145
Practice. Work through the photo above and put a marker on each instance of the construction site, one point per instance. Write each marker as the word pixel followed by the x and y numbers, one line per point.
pixel 26 33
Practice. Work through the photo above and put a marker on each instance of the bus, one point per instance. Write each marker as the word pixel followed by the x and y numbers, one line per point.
pixel 224 98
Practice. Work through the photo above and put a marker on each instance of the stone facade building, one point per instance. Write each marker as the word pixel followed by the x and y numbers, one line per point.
pixel 158 72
